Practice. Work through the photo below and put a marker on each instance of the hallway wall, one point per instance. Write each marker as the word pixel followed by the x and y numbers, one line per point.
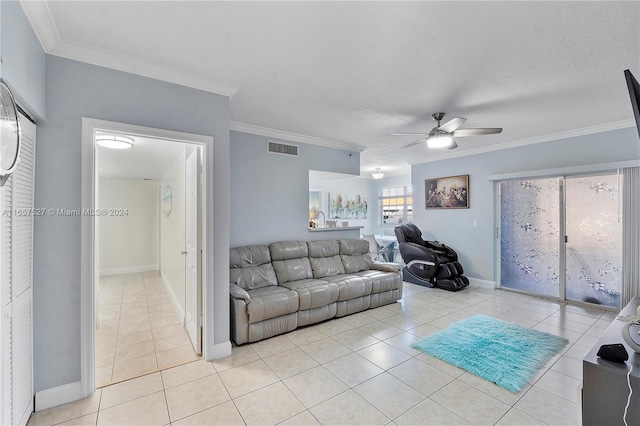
pixel 128 237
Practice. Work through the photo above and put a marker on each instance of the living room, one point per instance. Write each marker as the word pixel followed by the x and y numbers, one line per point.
pixel 258 198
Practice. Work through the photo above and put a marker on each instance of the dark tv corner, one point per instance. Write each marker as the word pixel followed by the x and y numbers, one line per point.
pixel 634 95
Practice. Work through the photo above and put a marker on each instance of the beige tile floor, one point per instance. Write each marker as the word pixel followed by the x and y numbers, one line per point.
pixel 358 370
pixel 138 330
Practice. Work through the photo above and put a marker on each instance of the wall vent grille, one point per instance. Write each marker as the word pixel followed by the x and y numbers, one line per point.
pixel 282 149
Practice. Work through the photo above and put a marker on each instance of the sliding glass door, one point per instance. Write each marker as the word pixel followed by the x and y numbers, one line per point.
pixel 530 232
pixel 561 237
pixel 594 239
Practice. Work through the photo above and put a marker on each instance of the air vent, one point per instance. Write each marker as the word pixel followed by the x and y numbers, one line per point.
pixel 282 148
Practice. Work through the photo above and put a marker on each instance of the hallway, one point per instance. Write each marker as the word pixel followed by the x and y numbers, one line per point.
pixel 138 330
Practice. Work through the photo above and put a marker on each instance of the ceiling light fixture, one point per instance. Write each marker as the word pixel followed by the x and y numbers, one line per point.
pixel 439 141
pixel 378 174
pixel 114 141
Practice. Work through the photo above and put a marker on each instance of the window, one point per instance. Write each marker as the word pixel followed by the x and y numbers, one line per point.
pixel 395 205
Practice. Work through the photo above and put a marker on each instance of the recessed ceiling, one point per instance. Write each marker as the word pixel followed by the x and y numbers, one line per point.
pixel 356 71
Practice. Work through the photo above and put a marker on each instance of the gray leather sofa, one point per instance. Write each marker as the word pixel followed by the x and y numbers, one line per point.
pixel 278 287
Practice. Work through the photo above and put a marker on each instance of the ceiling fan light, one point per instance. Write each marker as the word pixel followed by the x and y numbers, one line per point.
pixel 114 141
pixel 439 141
pixel 378 174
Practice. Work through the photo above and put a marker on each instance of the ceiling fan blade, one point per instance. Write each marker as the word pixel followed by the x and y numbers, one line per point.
pixel 474 132
pixel 408 134
pixel 452 124
pixel 453 144
pixel 413 143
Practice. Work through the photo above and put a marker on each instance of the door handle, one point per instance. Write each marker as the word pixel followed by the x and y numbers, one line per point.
pixel 183 252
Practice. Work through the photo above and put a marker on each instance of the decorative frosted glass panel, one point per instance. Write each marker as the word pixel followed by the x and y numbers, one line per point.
pixel 529 238
pixel 594 247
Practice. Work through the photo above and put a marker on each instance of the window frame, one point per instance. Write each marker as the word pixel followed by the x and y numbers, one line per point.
pixel 407 207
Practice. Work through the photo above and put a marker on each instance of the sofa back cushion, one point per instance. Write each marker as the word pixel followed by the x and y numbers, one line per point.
pixel 354 255
pixel 290 261
pixel 324 257
pixel 250 267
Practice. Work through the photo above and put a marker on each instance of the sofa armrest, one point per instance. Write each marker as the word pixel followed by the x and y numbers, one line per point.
pixel 386 266
pixel 238 292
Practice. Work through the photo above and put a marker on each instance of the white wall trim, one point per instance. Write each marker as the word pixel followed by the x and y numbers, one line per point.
pixel 477 282
pixel 43 24
pixel 294 137
pixel 574 170
pixel 87 239
pixel 59 395
pixel 220 350
pixel 172 296
pixel 616 125
pixel 129 269
pixel 87 261
pixel 39 16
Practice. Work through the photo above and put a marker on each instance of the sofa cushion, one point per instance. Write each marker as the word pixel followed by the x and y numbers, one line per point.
pixel 250 267
pixel 323 248
pixel 351 286
pixel 271 302
pixel 354 255
pixel 313 293
pixel 292 269
pixel 382 281
pixel 284 250
pixel 353 247
pixel 324 257
pixel 326 266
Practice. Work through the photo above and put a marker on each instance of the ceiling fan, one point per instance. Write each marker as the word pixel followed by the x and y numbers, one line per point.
pixel 442 136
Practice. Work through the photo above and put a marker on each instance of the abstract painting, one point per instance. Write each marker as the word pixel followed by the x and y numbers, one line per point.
pixel 342 206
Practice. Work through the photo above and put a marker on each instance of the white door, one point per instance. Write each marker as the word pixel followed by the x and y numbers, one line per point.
pixel 16 341
pixel 193 297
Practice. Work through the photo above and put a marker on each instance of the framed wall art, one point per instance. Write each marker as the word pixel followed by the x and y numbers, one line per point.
pixel 447 192
pixel 343 206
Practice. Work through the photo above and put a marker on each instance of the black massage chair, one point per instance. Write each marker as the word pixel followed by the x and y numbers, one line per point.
pixel 429 263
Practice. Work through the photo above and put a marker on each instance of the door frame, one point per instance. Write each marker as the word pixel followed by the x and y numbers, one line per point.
pixel 562 172
pixel 88 233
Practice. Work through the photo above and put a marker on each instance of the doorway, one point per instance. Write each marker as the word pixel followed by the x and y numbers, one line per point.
pixel 561 237
pixel 144 313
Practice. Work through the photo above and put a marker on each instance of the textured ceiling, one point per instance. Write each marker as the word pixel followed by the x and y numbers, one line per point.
pixel 354 72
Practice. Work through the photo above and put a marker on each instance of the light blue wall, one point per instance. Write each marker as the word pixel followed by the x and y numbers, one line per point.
pixel 270 193
pixel 23 60
pixel 76 90
pixel 475 245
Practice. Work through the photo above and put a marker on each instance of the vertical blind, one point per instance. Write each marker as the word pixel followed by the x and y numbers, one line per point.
pixel 630 234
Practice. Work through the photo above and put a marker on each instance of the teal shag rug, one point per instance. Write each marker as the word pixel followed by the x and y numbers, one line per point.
pixel 504 353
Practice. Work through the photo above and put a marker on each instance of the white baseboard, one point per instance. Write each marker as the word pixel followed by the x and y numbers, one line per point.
pixel 477 282
pixel 129 269
pixel 218 351
pixel 59 395
pixel 176 305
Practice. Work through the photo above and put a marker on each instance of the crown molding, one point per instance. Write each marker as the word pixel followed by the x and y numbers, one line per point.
pixel 39 16
pixel 103 58
pixel 294 137
pixel 622 124
pixel 41 20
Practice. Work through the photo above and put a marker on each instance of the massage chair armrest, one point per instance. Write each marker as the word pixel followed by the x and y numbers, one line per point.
pixel 420 262
pixel 442 248
pixel 238 292
pixel 413 251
